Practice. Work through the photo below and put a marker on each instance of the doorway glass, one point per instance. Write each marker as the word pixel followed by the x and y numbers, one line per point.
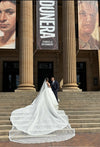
pixel 81 75
pixel 10 76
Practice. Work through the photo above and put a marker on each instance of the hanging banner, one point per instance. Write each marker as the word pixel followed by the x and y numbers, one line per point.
pixel 88 25
pixel 7 24
pixel 47 24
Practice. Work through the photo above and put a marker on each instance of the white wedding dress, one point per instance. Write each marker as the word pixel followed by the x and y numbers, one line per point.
pixel 41 121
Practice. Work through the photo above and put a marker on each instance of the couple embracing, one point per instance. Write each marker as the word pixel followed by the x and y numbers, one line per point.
pixel 54 86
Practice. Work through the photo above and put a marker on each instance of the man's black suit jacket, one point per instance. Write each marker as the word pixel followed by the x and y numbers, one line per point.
pixel 55 88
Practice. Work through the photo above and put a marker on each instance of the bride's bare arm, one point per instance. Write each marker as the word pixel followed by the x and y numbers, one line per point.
pixel 48 84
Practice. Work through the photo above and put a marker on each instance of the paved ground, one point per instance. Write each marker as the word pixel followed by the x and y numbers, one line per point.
pixel 80 140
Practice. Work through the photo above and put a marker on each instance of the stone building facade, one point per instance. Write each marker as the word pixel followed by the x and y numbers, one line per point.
pixel 25 67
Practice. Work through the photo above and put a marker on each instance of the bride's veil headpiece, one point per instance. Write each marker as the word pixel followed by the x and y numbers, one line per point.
pixel 44 85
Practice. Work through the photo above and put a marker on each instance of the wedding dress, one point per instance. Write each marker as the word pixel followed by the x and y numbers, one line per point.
pixel 41 121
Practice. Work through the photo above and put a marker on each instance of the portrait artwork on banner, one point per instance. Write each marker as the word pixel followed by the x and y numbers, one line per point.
pixel 88 25
pixel 7 24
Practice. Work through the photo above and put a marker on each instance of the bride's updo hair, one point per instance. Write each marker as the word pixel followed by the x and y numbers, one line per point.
pixel 47 79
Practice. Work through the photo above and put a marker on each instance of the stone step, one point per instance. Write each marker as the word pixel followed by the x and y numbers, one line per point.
pixel 71 108
pixel 9 110
pixel 60 105
pixel 74 103
pixel 88 130
pixel 86 120
pixel 81 106
pixel 12 107
pixel 84 116
pixel 4 138
pixel 78 96
pixel 5 113
pixel 4 132
pixel 67 112
pixel 77 103
pixel 61 100
pixel 80 109
pixel 61 97
pixel 80 93
pixel 82 120
pixel 71 116
pixel 5 122
pixel 93 98
pixel 64 98
pixel 84 125
pixel 76 106
pixel 81 112
pixel 14 104
pixel 16 99
pixel 5 127
pixel 60 94
pixel 60 108
pixel 73 125
pixel 25 97
pixel 4 117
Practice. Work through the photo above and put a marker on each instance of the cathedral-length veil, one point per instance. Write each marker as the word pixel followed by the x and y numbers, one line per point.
pixel 41 121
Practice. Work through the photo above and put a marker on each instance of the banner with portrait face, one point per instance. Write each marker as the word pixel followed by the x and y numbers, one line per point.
pixel 88 25
pixel 7 24
pixel 47 24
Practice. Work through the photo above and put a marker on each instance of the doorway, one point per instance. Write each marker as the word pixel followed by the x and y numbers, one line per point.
pixel 10 76
pixel 45 69
pixel 81 75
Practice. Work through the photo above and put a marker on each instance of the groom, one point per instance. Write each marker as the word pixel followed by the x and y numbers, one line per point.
pixel 55 86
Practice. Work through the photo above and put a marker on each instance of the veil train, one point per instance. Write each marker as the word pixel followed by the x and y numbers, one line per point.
pixel 41 121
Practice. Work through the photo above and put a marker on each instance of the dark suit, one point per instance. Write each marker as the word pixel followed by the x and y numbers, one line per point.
pixel 55 87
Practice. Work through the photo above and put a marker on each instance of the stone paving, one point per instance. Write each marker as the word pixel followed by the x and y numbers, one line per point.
pixel 80 140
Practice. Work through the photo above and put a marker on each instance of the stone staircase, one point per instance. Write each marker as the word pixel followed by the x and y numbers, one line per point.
pixel 82 108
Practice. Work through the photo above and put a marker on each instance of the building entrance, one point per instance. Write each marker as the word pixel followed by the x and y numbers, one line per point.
pixel 45 69
pixel 10 76
pixel 81 75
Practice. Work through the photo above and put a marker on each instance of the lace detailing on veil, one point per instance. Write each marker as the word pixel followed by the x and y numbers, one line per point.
pixel 40 121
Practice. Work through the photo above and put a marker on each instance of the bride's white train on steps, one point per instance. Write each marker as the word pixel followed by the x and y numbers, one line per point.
pixel 40 121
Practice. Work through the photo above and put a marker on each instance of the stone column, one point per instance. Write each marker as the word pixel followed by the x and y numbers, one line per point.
pixel 99 62
pixel 26 45
pixel 69 47
pixel 99 66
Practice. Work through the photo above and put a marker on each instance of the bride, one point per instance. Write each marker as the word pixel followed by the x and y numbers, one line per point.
pixel 41 121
